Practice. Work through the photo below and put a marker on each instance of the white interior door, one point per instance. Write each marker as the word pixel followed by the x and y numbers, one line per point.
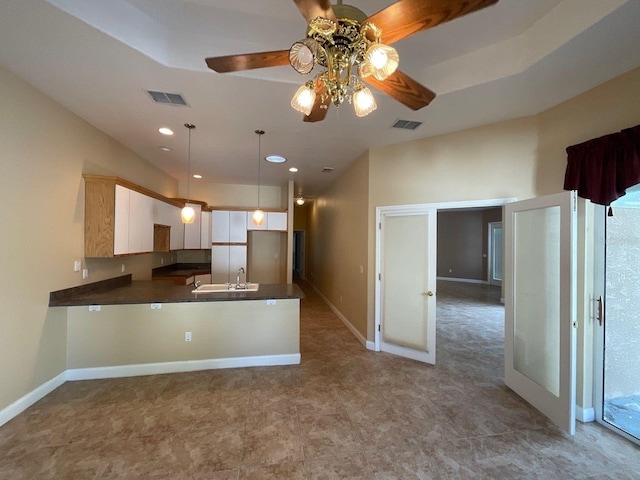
pixel 540 304
pixel 407 284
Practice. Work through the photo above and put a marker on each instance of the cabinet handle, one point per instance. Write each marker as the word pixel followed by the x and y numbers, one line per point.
pixel 600 310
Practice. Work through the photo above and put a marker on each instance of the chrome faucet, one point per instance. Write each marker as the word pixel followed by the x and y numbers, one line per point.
pixel 240 270
pixel 197 284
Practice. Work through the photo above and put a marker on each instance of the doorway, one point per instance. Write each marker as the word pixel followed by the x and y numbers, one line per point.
pixel 494 251
pixel 617 326
pixel 298 255
pixel 390 277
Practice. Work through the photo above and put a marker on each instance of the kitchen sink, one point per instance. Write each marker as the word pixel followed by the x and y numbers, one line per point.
pixel 226 287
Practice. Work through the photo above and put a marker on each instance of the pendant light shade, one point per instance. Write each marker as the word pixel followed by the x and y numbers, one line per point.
pixel 188 214
pixel 258 215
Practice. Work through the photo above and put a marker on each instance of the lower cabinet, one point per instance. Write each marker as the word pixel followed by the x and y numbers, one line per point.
pixel 226 260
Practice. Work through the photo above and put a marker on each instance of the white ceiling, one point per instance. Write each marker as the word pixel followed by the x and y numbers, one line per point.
pixel 98 57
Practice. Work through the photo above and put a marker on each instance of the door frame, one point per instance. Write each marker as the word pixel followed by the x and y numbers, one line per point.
pixel 491 254
pixel 408 210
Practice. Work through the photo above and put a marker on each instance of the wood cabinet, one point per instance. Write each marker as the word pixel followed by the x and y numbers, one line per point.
pixel 119 218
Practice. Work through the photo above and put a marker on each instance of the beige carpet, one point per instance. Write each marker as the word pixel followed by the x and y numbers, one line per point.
pixel 344 413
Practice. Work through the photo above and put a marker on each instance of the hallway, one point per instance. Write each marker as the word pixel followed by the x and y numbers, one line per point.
pixel 343 413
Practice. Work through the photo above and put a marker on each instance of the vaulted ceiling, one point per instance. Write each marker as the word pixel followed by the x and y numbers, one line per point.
pixel 98 58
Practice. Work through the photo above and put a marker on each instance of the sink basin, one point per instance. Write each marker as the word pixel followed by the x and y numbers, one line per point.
pixel 226 287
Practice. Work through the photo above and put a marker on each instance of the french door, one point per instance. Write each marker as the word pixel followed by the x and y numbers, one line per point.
pixel 617 328
pixel 406 284
pixel 540 304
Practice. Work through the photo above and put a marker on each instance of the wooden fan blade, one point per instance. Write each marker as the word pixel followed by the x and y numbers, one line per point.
pixel 311 9
pixel 407 17
pixel 404 89
pixel 319 112
pixel 248 61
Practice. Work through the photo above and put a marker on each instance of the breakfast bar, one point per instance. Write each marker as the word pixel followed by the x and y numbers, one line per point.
pixel 121 327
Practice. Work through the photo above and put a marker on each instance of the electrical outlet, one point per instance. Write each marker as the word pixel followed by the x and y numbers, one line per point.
pixel 340 298
pixel 162 261
pixel 123 268
pixel 187 336
pixel 361 269
pixel 271 302
pixel 77 265
pixel 94 308
pixel 85 273
pixel 156 306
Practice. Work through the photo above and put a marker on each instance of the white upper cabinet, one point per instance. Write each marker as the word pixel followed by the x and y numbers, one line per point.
pixel 237 227
pixel 220 226
pixel 205 230
pixel 277 221
pixel 140 223
pixel 192 230
pixel 228 226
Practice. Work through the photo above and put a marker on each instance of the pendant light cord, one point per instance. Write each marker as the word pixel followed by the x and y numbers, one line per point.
pixel 190 126
pixel 260 133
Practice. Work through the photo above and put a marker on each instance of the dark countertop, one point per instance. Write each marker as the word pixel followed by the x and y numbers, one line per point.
pixel 148 291
pixel 181 270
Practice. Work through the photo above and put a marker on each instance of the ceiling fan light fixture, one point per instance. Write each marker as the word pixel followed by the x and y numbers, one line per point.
pixel 300 200
pixel 380 60
pixel 303 54
pixel 304 98
pixel 363 101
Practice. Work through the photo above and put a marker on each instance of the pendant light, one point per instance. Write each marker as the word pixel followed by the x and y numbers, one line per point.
pixel 258 216
pixel 188 214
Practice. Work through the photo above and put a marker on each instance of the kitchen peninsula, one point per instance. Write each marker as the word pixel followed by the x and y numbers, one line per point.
pixel 120 327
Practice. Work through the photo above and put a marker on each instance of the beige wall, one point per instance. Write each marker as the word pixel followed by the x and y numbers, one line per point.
pixel 44 151
pixel 245 196
pixel 266 257
pixel 338 243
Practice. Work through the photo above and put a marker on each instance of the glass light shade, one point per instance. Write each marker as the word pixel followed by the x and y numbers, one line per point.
pixel 187 214
pixel 302 55
pixel 304 99
pixel 300 201
pixel 363 101
pixel 382 60
pixel 258 218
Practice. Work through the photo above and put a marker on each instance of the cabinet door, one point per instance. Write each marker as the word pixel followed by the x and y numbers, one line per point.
pixel 251 226
pixel 140 223
pixel 237 260
pixel 277 221
pixel 220 226
pixel 205 230
pixel 192 230
pixel 177 229
pixel 121 224
pixel 219 263
pixel 237 227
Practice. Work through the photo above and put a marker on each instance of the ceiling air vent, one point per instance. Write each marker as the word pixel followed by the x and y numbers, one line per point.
pixel 327 170
pixel 406 124
pixel 168 98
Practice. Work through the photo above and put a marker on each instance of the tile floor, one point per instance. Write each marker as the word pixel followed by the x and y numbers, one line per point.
pixel 344 413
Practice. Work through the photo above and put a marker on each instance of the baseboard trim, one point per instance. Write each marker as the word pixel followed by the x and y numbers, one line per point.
pixel 361 338
pixel 370 345
pixel 20 405
pixel 463 280
pixel 177 367
pixel 585 415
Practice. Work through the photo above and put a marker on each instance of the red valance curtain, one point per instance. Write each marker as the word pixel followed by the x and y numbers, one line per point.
pixel 603 168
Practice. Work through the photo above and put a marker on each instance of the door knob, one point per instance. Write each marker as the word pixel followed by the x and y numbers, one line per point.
pixel 428 293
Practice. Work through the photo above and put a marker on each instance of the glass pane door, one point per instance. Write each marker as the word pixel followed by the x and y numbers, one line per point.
pixel 621 385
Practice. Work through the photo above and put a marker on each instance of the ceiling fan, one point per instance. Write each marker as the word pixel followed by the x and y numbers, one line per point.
pixel 342 39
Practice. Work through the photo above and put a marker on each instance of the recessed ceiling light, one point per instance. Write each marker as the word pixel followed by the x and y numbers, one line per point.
pixel 275 159
pixel 165 149
pixel 293 169
pixel 195 175
pixel 165 131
